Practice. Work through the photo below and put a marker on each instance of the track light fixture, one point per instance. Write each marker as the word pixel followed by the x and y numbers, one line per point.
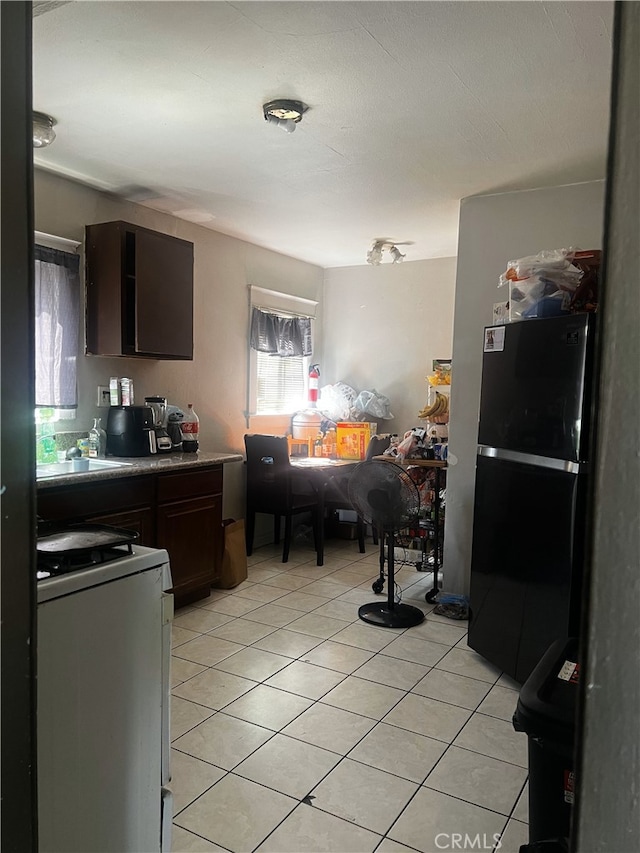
pixel 284 114
pixel 43 132
pixel 374 255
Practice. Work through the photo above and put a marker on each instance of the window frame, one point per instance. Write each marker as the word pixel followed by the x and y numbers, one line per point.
pixel 75 247
pixel 286 305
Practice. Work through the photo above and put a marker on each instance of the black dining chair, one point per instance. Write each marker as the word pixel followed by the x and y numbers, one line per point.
pixel 274 487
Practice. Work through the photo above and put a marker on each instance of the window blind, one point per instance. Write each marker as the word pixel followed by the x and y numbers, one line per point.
pixel 280 383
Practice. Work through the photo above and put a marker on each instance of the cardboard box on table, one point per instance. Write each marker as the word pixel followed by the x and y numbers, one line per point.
pixel 352 439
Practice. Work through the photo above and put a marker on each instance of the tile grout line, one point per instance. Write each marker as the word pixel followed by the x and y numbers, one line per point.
pixel 406 691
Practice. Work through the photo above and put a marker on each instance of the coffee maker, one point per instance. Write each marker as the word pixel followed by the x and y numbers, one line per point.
pixel 158 406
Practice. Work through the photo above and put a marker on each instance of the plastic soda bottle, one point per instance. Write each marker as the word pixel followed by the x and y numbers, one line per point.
pixel 190 428
pixel 46 439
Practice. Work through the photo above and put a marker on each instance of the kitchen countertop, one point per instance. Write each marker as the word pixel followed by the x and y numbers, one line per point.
pixel 137 466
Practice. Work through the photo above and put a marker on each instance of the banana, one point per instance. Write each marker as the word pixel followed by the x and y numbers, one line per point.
pixel 424 414
pixel 438 408
pixel 428 411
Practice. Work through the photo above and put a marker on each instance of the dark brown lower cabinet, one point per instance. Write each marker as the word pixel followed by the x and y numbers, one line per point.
pixel 140 520
pixel 191 532
pixel 180 511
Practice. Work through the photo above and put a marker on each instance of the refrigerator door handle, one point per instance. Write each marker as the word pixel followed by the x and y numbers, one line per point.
pixel 531 459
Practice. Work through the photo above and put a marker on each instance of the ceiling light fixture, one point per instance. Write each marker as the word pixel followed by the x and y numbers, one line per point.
pixel 374 255
pixel 284 113
pixel 43 132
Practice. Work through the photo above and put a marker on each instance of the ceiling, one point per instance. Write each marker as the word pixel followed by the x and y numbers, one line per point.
pixel 412 106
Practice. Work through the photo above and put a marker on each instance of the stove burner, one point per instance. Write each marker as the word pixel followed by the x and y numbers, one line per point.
pixel 62 563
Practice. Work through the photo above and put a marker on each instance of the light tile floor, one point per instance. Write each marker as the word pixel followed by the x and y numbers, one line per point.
pixel 298 727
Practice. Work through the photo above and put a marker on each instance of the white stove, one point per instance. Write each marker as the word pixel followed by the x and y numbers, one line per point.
pixel 101 566
pixel 104 651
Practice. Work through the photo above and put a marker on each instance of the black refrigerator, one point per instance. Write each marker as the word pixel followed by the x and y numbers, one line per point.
pixel 530 494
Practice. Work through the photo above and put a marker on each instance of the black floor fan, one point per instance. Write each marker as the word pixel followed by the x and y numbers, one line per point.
pixel 383 494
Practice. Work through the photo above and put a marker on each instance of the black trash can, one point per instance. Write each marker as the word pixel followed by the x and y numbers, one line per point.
pixel 546 712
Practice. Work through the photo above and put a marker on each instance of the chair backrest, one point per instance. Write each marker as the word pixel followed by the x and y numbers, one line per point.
pixel 268 472
pixel 274 446
pixel 377 445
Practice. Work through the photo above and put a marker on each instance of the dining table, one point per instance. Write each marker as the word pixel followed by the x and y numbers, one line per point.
pixel 320 472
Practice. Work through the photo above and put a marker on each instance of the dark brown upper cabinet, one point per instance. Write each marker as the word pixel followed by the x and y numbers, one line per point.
pixel 139 292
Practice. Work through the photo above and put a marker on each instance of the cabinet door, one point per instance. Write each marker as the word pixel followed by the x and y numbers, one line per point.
pixel 140 520
pixel 163 295
pixel 97 499
pixel 191 531
pixel 139 292
pixel 104 288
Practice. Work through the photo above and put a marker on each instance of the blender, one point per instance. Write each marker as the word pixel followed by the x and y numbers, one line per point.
pixel 158 406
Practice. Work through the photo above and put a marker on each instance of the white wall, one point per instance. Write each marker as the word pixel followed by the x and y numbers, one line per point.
pixel 493 230
pixel 382 328
pixel 215 381
pixel 606 814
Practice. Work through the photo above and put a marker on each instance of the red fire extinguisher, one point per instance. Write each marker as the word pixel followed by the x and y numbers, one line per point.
pixel 314 375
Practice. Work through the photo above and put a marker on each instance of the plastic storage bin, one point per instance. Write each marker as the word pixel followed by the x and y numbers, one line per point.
pixel 546 712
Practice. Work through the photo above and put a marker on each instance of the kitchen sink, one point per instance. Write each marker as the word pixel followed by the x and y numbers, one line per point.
pixel 76 466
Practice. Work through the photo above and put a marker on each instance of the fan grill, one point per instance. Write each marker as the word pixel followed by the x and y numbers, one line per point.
pixel 384 494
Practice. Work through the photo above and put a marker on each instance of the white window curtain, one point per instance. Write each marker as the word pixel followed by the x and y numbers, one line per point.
pixel 57 313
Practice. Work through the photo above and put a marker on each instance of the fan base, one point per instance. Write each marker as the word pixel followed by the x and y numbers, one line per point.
pixel 401 616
